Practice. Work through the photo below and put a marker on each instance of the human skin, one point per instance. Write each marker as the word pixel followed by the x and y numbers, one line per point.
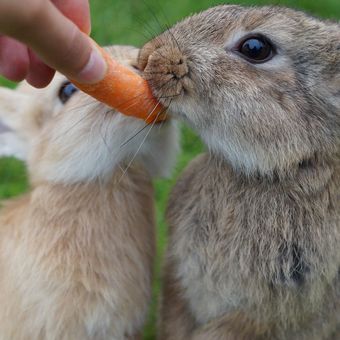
pixel 44 36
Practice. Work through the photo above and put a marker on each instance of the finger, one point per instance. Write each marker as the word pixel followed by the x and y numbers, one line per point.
pixel 39 74
pixel 77 11
pixel 57 41
pixel 14 59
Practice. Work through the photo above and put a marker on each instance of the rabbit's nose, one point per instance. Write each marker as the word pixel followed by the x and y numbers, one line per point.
pixel 167 61
pixel 179 67
pixel 166 69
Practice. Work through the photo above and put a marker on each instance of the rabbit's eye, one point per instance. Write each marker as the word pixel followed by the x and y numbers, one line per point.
pixel 66 91
pixel 256 49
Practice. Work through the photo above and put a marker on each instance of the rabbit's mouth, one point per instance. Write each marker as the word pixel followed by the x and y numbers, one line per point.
pixel 167 71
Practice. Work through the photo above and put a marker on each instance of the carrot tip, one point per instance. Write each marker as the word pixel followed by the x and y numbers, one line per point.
pixel 126 91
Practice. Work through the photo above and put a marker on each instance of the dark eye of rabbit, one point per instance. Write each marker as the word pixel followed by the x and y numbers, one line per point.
pixel 66 92
pixel 256 49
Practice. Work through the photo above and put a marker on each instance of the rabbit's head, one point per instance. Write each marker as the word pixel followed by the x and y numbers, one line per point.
pixel 67 136
pixel 260 85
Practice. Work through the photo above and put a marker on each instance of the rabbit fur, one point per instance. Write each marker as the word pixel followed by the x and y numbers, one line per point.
pixel 254 225
pixel 76 251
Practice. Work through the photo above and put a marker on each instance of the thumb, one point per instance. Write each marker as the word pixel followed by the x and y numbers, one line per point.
pixel 58 42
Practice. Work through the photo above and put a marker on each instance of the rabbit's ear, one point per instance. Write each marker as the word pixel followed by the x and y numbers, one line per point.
pixel 14 124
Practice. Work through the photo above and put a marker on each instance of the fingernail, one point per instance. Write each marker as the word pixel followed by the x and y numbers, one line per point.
pixel 95 69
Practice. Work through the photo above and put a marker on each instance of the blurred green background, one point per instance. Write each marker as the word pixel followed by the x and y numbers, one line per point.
pixel 134 22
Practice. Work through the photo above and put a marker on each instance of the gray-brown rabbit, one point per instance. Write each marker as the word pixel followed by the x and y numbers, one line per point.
pixel 254 248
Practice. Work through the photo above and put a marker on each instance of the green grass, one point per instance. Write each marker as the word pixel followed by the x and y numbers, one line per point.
pixel 134 22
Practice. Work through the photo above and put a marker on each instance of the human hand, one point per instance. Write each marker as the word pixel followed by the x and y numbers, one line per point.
pixel 40 36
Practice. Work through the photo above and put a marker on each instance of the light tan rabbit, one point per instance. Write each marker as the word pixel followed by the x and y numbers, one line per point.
pixel 254 247
pixel 76 252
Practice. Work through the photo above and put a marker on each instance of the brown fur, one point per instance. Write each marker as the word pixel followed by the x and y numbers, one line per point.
pixel 62 243
pixel 254 225
pixel 243 251
pixel 76 252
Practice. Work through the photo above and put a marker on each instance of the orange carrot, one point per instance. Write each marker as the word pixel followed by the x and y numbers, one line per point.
pixel 125 91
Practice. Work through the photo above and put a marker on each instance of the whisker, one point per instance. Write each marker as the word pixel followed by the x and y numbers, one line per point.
pixel 170 96
pixel 139 131
pixel 100 131
pixel 135 155
pixel 153 33
pixel 163 85
pixel 149 34
pixel 168 27
pixel 165 112
pixel 140 146
pixel 148 72
pixel 132 103
pixel 71 128
pixel 85 116
pixel 153 110
pixel 107 126
pixel 135 135
pixel 159 42
pixel 174 39
pixel 84 105
pixel 164 26
pixel 154 15
pixel 130 100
